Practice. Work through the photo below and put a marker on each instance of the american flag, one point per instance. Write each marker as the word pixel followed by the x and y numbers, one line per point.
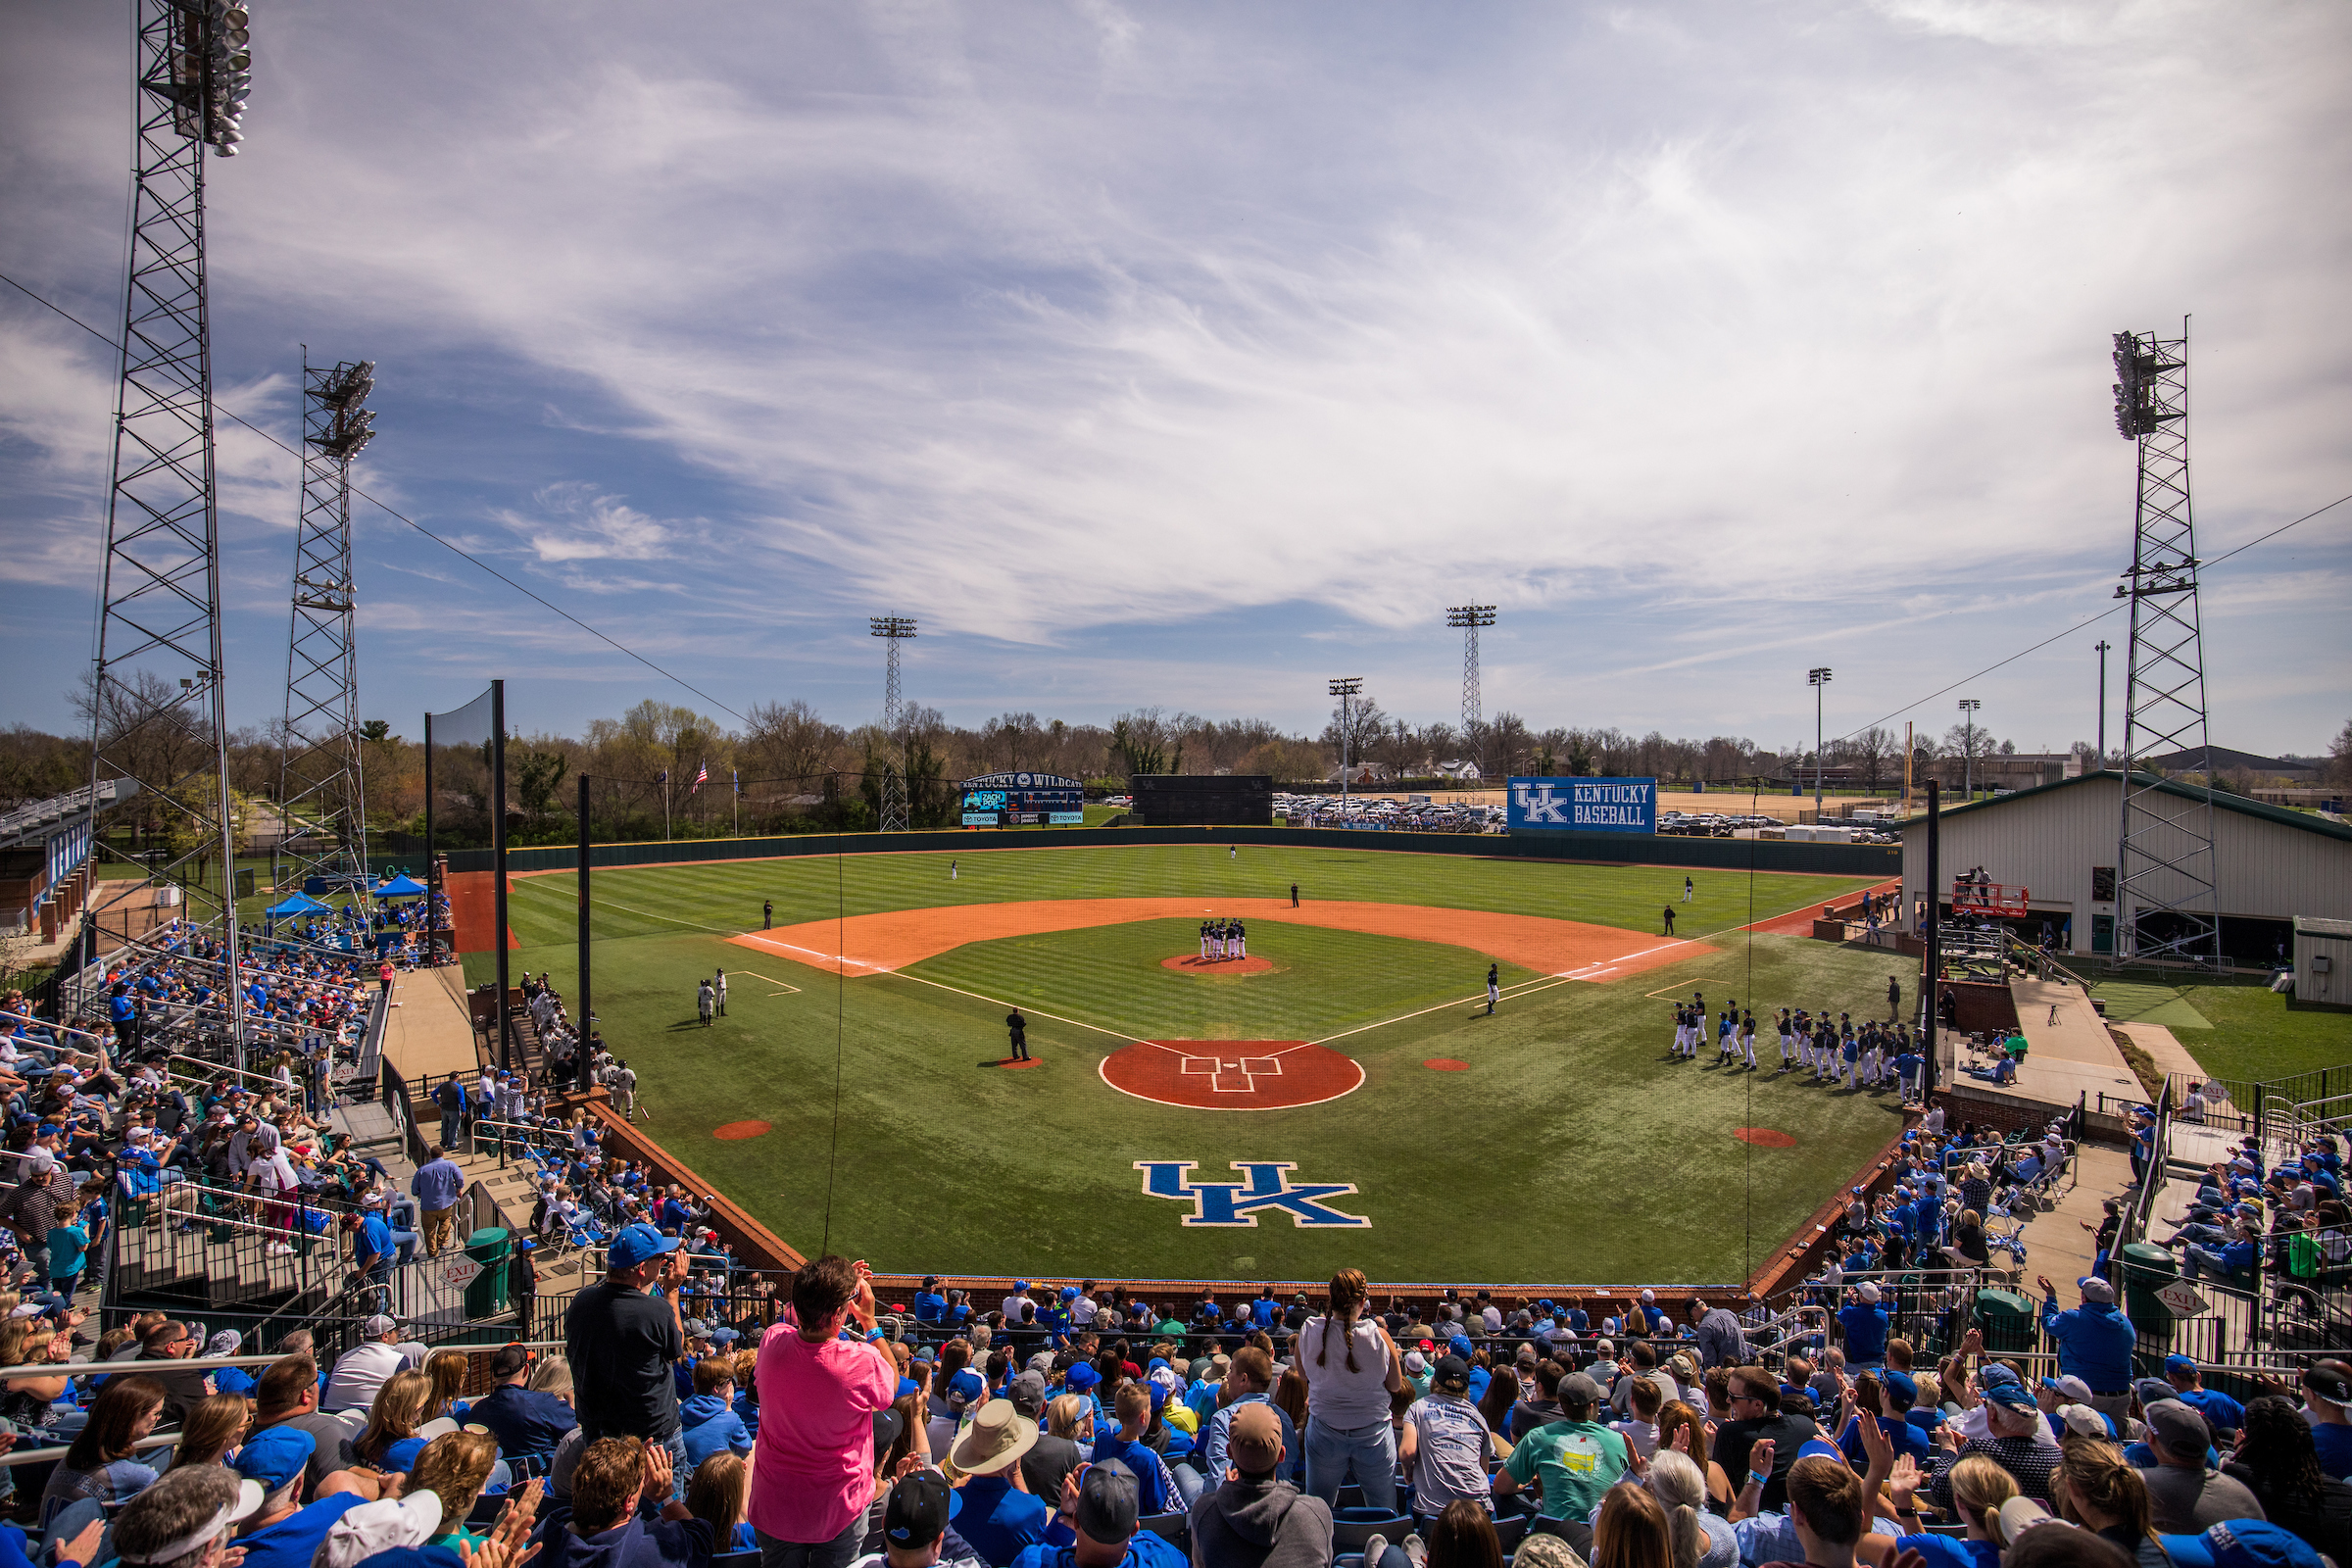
pixel 702 776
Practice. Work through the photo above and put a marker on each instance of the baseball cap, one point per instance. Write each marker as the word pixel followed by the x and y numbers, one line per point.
pixel 1415 1363
pixel 2019 1515
pixel 2012 1396
pixel 2083 1421
pixel 2179 1363
pixel 1901 1385
pixel 1869 1290
pixel 372 1527
pixel 1578 1391
pixel 918 1510
pixel 1454 1370
pixel 1081 1377
pixel 2077 1390
pixel 2153 1391
pixel 637 1242
pixel 969 1385
pixel 2330 1379
pixel 509 1361
pixel 1107 1509
pixel 1028 1394
pixel 2241 1544
pixel 276 1455
pixel 2179 1427
pixel 2096 1289
pixel 376 1327
pixel 1255 1440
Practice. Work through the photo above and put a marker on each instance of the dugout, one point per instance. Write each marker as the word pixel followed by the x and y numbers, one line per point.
pixel 1203 799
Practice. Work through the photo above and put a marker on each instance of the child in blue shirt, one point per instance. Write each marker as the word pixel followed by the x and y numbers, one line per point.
pixel 68 1249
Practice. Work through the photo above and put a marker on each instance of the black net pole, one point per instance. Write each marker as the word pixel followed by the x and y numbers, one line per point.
pixel 498 857
pixel 432 866
pixel 1929 993
pixel 587 1007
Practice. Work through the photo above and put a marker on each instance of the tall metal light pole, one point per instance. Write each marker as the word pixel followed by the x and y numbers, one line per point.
pixel 892 629
pixel 1344 687
pixel 321 794
pixel 1817 677
pixel 2165 863
pixel 1968 743
pixel 1468 618
pixel 2102 652
pixel 159 719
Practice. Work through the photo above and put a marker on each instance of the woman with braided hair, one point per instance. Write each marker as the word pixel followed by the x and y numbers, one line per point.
pixel 1351 1369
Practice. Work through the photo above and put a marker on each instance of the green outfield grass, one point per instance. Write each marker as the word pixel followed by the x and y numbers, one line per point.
pixel 1570 1150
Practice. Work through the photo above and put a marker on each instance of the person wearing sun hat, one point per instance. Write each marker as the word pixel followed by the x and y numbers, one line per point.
pixel 999 1518
pixel 191 1510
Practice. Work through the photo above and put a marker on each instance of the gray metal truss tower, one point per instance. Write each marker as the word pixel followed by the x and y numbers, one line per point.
pixel 321 790
pixel 159 719
pixel 892 630
pixel 1469 619
pixel 2166 908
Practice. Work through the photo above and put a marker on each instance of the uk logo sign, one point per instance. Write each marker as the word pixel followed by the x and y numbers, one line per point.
pixel 1265 1188
pixel 1583 804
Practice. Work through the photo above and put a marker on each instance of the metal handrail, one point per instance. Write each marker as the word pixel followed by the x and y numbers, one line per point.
pixel 61 1028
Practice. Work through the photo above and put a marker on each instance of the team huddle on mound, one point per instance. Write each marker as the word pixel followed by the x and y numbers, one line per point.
pixel 1224 939
pixel 1869 1055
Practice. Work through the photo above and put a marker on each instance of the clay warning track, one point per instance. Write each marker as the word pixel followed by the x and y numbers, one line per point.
pixel 876 943
pixel 473 910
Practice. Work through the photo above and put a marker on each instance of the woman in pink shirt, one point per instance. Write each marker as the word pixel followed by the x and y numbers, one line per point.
pixel 812 1469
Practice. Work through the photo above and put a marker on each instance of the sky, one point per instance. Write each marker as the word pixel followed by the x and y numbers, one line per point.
pixel 1191 355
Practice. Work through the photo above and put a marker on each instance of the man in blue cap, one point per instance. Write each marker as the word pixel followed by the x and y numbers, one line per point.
pixel 2221 1413
pixel 526 1422
pixel 281 1533
pixel 622 1335
pixel 2095 1341
pixel 2241 1544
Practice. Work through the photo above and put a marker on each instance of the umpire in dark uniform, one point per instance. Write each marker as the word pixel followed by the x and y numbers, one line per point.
pixel 1018 1027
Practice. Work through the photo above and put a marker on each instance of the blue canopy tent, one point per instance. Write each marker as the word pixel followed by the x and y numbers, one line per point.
pixel 298 904
pixel 403 886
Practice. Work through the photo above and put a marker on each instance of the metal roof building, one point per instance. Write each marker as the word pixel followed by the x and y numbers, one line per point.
pixel 2059 842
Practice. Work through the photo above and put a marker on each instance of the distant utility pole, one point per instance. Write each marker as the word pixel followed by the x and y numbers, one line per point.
pixel 2102 651
pixel 1967 717
pixel 1344 687
pixel 1817 677
pixel 1469 619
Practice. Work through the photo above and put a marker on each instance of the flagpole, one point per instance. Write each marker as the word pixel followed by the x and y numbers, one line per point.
pixel 665 806
pixel 735 782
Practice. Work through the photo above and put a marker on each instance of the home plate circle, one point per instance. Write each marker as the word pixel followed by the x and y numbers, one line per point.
pixel 1231 1074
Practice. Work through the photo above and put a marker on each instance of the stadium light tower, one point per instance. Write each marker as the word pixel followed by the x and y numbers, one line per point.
pixel 159 714
pixel 1469 619
pixel 1344 687
pixel 892 629
pixel 322 798
pixel 1817 677
pixel 2165 858
pixel 1968 744
pixel 2101 649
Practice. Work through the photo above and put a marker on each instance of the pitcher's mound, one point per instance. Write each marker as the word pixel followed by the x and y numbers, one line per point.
pixel 1194 964
pixel 1231 1074
pixel 1764 1136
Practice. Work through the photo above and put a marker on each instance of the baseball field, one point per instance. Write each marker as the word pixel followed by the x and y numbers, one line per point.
pixel 1341 1099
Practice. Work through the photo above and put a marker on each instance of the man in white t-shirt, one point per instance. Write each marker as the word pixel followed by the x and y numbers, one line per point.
pixel 1018 1300
pixel 363 1369
pixel 1083 1307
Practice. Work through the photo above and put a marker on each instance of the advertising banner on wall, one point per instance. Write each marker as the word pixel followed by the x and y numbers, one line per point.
pixel 1583 806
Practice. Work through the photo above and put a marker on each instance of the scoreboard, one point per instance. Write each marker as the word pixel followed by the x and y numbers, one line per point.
pixel 1023 800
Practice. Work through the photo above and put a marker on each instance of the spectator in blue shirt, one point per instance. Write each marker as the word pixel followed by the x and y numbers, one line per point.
pixel 437 1184
pixel 1865 1323
pixel 2222 1414
pixel 527 1423
pixel 2094 1340
pixel 930 1307
pixel 2232 1262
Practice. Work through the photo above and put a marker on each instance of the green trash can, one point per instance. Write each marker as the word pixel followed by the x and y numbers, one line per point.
pixel 487 1294
pixel 2007 1320
pixel 2147 1270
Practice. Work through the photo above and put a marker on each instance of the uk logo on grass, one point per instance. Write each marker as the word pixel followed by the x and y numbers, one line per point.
pixel 1266 1189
